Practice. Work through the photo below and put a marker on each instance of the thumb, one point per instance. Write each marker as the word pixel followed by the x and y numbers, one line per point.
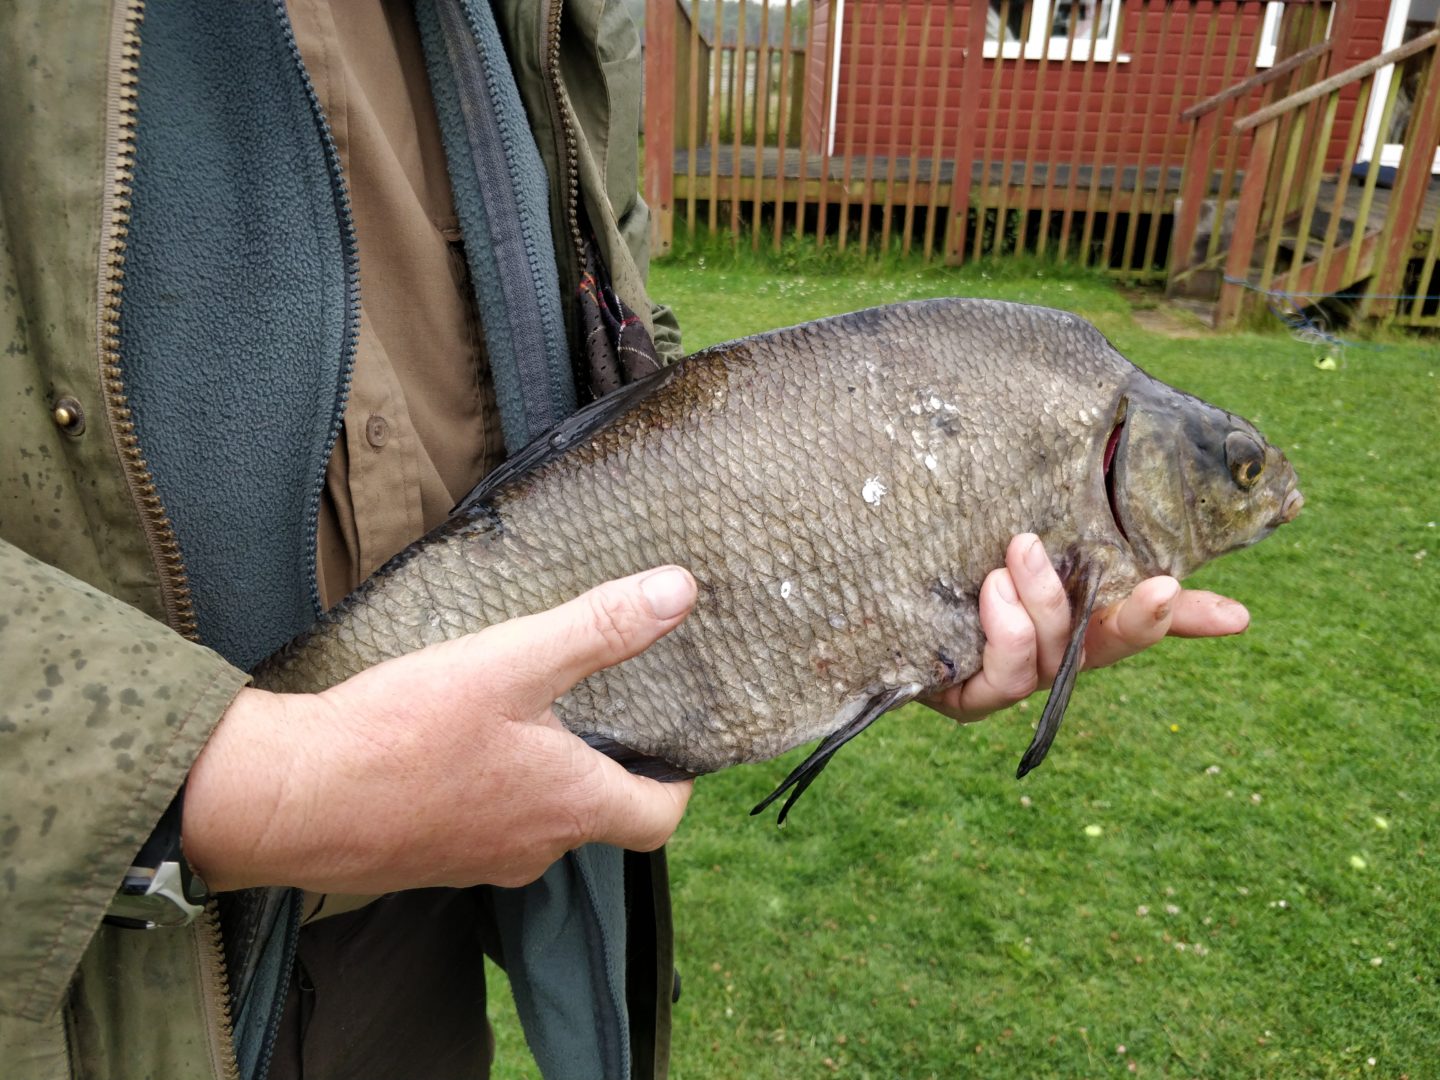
pixel 640 814
pixel 1133 624
pixel 610 623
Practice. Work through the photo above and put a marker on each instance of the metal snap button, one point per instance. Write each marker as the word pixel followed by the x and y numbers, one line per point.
pixel 69 417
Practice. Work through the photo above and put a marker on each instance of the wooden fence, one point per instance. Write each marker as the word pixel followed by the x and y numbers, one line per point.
pixel 1114 134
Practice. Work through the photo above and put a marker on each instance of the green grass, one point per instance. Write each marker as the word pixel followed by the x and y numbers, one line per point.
pixel 1271 801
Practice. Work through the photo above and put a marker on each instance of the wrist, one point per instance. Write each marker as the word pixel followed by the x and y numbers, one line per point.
pixel 242 818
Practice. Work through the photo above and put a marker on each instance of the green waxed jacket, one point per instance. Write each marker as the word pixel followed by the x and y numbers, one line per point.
pixel 106 693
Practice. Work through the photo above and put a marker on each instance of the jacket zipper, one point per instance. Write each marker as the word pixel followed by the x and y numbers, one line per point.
pixel 217 1006
pixel 567 146
pixel 175 598
pixel 351 248
pixel 124 72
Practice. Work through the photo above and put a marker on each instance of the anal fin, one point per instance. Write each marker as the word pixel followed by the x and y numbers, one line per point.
pixel 804 774
pixel 634 761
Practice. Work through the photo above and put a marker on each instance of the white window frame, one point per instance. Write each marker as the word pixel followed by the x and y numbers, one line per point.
pixel 1269 35
pixel 1041 43
pixel 1371 146
pixel 1269 40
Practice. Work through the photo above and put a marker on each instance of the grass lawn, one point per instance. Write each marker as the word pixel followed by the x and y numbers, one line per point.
pixel 1227 867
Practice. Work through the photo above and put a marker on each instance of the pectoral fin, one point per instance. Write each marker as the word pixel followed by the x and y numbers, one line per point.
pixel 869 710
pixel 1059 697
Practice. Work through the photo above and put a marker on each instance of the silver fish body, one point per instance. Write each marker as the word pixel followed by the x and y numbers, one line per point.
pixel 840 490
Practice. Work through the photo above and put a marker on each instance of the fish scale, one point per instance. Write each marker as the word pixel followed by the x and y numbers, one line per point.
pixel 839 491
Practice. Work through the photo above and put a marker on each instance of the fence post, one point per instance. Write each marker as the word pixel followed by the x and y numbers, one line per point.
pixel 1408 196
pixel 660 121
pixel 973 59
pixel 1247 220
pixel 1193 189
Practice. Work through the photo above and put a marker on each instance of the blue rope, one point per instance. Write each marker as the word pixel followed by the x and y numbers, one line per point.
pixel 1301 325
pixel 1317 295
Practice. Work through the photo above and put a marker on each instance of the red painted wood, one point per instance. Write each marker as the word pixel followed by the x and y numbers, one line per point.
pixel 1412 178
pixel 1072 117
pixel 660 20
pixel 1247 221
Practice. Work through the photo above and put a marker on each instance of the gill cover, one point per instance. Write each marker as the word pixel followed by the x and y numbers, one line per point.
pixel 1192 482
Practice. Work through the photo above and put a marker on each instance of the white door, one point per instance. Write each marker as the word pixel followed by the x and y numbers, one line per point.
pixel 1408 19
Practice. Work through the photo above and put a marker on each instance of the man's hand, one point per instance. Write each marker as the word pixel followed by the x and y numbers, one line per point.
pixel 443 767
pixel 1026 618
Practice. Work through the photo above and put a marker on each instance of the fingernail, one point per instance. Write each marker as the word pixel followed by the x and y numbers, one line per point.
pixel 1006 588
pixel 668 592
pixel 1236 611
pixel 1163 612
pixel 1035 557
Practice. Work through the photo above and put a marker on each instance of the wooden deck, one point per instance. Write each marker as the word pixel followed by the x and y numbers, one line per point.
pixel 1379 207
pixel 922 169
pixel 1215 182
pixel 1350 211
pixel 719 170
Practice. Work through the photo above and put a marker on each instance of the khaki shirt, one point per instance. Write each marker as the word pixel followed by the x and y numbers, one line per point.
pixel 421 425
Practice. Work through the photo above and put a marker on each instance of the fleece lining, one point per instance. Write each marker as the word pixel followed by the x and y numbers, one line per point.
pixel 237 266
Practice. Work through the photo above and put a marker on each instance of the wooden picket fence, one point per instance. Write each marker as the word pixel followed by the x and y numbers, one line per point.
pixel 956 130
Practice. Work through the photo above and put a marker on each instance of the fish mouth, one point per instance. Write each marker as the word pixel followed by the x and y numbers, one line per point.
pixel 1290 509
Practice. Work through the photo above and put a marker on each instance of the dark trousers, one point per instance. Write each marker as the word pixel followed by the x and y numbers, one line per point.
pixel 393 990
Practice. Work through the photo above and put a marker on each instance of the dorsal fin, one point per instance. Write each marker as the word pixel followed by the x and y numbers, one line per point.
pixel 570 431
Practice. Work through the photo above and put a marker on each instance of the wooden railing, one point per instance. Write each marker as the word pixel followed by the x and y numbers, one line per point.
pixel 1307 228
pixel 1203 156
pixel 921 125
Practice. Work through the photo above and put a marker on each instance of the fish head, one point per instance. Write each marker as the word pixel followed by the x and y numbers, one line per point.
pixel 1188 482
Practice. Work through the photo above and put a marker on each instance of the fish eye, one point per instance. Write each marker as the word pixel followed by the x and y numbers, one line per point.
pixel 1247 472
pixel 1245 457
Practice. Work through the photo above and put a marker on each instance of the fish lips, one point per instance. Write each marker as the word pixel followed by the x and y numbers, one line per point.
pixel 1290 509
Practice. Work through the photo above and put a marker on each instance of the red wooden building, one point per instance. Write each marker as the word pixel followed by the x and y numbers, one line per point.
pixel 1120 132
pixel 890 62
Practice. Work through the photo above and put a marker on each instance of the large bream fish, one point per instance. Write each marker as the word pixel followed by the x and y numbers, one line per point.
pixel 839 490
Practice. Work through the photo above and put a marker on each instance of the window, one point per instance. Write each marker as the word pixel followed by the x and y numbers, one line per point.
pixel 1269 39
pixel 1051 23
pixel 1269 35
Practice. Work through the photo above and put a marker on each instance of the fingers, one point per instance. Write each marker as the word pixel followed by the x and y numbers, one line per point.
pixel 1207 614
pixel 640 814
pixel 1025 614
pixel 1044 600
pixel 1157 607
pixel 1008 665
pixel 550 652
pixel 1132 624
